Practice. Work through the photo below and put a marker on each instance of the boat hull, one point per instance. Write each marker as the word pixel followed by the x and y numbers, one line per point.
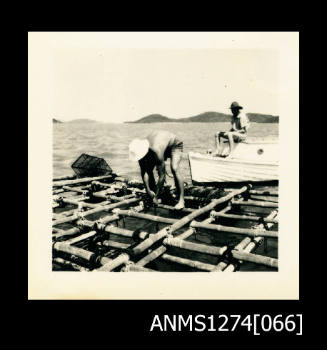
pixel 211 169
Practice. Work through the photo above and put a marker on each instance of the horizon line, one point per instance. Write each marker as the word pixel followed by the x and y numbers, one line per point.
pixel 132 121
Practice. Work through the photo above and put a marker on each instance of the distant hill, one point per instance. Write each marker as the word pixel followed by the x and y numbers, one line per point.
pixel 263 118
pixel 154 118
pixel 207 117
pixel 56 120
pixel 82 121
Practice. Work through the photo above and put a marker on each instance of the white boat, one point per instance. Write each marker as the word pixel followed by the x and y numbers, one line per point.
pixel 252 161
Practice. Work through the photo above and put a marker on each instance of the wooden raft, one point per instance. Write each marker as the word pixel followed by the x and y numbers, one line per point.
pixel 106 223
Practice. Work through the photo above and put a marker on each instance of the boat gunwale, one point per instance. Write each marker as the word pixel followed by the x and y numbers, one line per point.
pixel 230 160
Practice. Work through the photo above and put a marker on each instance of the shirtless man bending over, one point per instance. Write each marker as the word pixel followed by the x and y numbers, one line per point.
pixel 152 152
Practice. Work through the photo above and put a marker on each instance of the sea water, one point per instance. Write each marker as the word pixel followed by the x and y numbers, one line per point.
pixel 110 141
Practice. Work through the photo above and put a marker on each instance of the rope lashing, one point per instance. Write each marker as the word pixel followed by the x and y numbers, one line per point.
pixel 228 257
pixel 262 222
pixel 60 201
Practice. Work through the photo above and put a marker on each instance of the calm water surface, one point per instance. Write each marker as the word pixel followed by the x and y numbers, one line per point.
pixel 110 141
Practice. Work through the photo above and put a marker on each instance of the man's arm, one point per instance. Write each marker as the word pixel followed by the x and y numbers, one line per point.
pixel 146 181
pixel 245 123
pixel 233 128
pixel 162 174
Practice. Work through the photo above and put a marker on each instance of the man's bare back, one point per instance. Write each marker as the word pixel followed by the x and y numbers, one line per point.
pixel 162 145
pixel 161 142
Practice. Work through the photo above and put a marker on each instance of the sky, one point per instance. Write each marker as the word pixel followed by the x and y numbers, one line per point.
pixel 125 84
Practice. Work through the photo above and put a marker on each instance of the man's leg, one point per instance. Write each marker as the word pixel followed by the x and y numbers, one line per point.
pixel 230 136
pixel 219 136
pixel 176 158
pixel 235 137
pixel 152 182
pixel 217 139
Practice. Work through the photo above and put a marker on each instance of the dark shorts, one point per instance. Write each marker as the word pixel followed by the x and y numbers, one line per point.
pixel 177 147
pixel 237 136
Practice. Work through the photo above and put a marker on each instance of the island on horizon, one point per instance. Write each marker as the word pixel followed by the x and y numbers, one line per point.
pixel 206 117
pixel 73 121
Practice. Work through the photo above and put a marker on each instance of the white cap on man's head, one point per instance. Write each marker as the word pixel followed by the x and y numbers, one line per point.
pixel 138 149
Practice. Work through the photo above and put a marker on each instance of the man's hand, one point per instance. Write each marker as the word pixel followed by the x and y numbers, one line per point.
pixel 154 198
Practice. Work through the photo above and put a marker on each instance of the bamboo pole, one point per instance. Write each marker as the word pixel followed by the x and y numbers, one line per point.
pixel 103 194
pixel 186 219
pixel 108 218
pixel 81 237
pixel 103 184
pixel 66 177
pixel 57 191
pixel 209 220
pixel 190 231
pixel 135 268
pixel 255 203
pixel 236 230
pixel 96 210
pixel 79 252
pixel 116 198
pixel 93 205
pixel 66 263
pixel 132 214
pixel 111 265
pixel 195 247
pixel 74 189
pixel 264 193
pixel 247 244
pixel 240 246
pixel 114 244
pixel 67 248
pixel 78 181
pixel 102 225
pixel 112 206
pixel 79 201
pixel 124 232
pixel 264 199
pixel 65 220
pixel 64 214
pixel 257 259
pixel 57 230
pixel 151 256
pixel 193 198
pixel 121 179
pixel 147 243
pixel 244 217
pixel 169 207
pixel 187 262
pixel 105 220
pixel 70 232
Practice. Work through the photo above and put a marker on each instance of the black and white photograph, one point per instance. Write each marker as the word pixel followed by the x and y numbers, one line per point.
pixel 169 159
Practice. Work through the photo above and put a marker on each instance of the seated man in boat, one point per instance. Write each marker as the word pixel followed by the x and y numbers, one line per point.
pixel 238 132
pixel 152 152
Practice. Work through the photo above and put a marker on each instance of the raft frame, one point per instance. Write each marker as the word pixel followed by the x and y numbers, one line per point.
pixel 87 245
